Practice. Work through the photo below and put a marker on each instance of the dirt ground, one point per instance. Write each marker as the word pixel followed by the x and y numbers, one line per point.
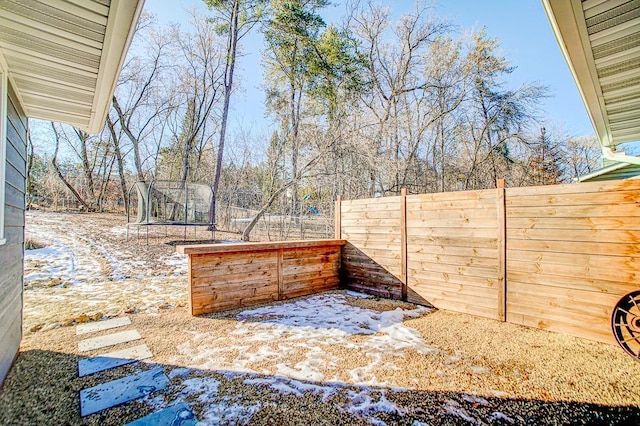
pixel 334 358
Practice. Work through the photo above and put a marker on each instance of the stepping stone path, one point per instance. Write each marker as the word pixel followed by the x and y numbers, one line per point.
pixel 92 327
pixel 113 359
pixel 177 415
pixel 108 340
pixel 129 388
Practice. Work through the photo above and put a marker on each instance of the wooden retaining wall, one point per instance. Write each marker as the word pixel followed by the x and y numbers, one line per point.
pixel 554 257
pixel 228 276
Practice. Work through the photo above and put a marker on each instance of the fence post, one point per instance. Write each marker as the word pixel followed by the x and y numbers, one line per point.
pixel 502 250
pixel 403 243
pixel 338 218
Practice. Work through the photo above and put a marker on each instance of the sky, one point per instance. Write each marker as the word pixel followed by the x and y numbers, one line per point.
pixel 521 26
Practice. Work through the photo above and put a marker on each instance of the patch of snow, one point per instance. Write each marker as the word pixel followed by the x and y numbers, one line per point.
pixel 501 416
pixel 225 413
pixel 453 408
pixel 358 295
pixel 363 405
pixel 288 386
pixel 474 399
pixel 179 372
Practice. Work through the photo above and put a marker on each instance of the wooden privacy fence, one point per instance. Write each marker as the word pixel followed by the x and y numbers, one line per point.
pixel 228 276
pixel 553 257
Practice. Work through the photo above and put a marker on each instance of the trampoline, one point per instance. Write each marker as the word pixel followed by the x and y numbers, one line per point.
pixel 170 203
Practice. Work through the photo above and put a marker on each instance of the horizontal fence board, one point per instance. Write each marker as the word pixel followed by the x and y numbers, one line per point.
pixel 582 188
pixel 451 196
pixel 632 250
pixel 199 271
pixel 560 325
pixel 451 214
pixel 587 260
pixel 575 235
pixel 416 225
pixel 612 223
pixel 452 241
pixel 446 250
pixel 475 261
pixel 417 267
pixel 451 204
pixel 419 275
pixel 575 199
pixel 628 210
pixel 589 284
pixel 470 232
pixel 576 272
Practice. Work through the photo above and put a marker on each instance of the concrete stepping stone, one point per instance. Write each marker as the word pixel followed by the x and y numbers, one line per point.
pixel 113 359
pixel 116 392
pixel 108 340
pixel 176 415
pixel 92 327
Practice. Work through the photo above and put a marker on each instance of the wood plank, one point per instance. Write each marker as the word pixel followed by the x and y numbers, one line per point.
pixel 612 261
pixel 595 285
pixel 373 214
pixel 311 285
pixel 451 214
pixel 239 269
pixel 311 260
pixel 207 308
pixel 381 291
pixel 576 235
pixel 482 262
pixel 309 276
pixel 480 203
pixel 403 242
pixel 455 291
pixel 576 272
pixel 583 187
pixel 313 267
pixel 502 251
pixel 418 275
pixel 443 250
pixel 578 301
pixel 472 271
pixel 612 223
pixel 202 286
pixel 254 247
pixel 597 248
pixel 264 275
pixel 205 261
pixel 312 252
pixel 469 231
pixel 453 241
pixel 226 294
pixel 630 210
pixel 418 224
pixel 482 194
pixel 576 199
pixel 374 223
pixel 467 308
pixel 366 201
pixel 597 333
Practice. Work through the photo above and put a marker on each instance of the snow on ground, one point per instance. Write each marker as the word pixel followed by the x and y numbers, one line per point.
pixel 294 348
pixel 316 330
pixel 85 269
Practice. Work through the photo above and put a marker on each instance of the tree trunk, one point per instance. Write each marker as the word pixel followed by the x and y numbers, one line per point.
pixel 54 163
pixel 232 44
pixel 118 154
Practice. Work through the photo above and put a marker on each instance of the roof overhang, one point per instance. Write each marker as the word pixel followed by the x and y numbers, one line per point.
pixel 600 40
pixel 64 56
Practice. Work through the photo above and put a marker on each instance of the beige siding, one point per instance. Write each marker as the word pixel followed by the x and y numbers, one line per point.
pixel 11 253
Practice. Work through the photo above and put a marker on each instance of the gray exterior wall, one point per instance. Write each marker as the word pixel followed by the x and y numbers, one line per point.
pixel 12 253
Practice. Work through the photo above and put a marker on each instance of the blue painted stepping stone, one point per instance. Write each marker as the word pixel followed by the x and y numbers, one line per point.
pixel 116 392
pixel 113 359
pixel 176 415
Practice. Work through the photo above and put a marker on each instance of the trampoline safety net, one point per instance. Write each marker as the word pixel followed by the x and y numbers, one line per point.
pixel 170 203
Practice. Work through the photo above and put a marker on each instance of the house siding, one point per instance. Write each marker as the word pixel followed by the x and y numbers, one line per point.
pixel 12 253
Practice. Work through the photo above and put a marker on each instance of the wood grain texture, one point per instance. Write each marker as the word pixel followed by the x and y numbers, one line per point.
pixel 254 273
pixel 572 252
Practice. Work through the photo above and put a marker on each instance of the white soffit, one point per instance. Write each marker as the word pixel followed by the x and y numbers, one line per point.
pixel 600 40
pixel 64 56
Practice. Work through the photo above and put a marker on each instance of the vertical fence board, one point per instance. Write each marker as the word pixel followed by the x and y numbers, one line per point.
pixel 501 255
pixel 403 243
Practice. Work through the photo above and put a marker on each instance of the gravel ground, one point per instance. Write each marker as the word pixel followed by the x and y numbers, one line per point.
pixel 290 363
